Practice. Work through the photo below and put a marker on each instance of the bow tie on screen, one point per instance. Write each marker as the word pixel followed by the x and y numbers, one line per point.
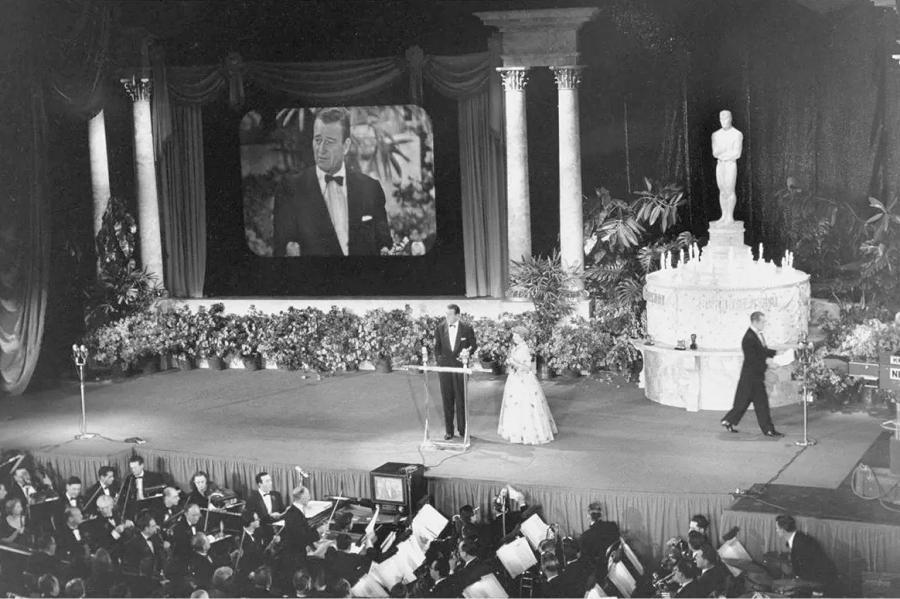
pixel 338 179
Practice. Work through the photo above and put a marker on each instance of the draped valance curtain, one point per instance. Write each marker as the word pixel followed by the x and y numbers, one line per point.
pixel 180 93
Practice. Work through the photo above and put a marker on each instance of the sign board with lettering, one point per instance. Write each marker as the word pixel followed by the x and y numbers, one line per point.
pixel 889 377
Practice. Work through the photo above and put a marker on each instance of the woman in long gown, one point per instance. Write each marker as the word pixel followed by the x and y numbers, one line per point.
pixel 524 416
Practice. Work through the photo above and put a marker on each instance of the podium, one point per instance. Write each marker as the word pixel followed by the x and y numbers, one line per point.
pixel 425 368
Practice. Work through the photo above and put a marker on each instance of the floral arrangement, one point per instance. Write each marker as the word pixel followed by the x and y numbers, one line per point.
pixel 340 333
pixel 577 346
pixel 251 330
pixel 494 338
pixel 384 335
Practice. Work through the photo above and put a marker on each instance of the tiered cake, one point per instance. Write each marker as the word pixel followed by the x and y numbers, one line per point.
pixel 711 294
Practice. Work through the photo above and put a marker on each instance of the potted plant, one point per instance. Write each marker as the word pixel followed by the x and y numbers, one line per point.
pixel 494 339
pixel 180 336
pixel 340 330
pixel 105 348
pixel 250 333
pixel 545 282
pixel 381 336
pixel 146 340
pixel 573 348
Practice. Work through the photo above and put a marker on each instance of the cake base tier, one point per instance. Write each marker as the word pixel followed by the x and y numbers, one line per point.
pixel 705 379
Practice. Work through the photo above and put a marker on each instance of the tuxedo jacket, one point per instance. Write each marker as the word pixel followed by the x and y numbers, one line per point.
pixel 256 504
pixel 444 351
pixel 755 354
pixel 714 580
pixel 469 574
pixel 98 534
pixel 67 546
pixel 181 538
pixel 596 540
pixel 139 559
pixel 574 578
pixel 62 504
pixel 689 590
pixel 348 566
pixel 809 561
pixel 201 569
pixel 553 588
pixel 297 534
pixel 443 589
pixel 253 555
pixel 301 215
pixel 94 493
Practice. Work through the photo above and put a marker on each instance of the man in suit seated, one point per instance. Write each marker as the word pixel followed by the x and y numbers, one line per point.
pixel 71 497
pixel 442 585
pixel 200 565
pixel 470 568
pixel 714 576
pixel 340 562
pixel 266 503
pixel 575 571
pixel 106 531
pixel 184 531
pixel 44 560
pixel 252 549
pixel 809 561
pixel 598 537
pixel 145 552
pixel 136 485
pixel 106 485
pixel 685 574
pixel 70 541
pixel 552 585
pixel 168 511
pixel 329 210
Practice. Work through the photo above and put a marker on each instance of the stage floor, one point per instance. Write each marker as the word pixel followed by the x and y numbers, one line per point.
pixel 611 438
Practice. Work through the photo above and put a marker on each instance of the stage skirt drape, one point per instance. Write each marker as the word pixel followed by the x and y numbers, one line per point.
pixel 60 466
pixel 853 546
pixel 647 520
pixel 468 78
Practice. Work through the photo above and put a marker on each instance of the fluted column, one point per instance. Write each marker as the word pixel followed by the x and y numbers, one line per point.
pixel 99 167
pixel 571 227
pixel 145 177
pixel 517 193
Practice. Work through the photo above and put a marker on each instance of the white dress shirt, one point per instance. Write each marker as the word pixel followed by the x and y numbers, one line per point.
pixel 267 500
pixel 790 540
pixel 453 333
pixel 336 199
pixel 139 485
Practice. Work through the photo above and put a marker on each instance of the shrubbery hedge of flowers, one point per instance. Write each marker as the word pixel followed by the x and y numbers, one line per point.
pixel 339 340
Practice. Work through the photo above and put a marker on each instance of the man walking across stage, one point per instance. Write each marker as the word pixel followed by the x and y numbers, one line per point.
pixel 450 338
pixel 751 387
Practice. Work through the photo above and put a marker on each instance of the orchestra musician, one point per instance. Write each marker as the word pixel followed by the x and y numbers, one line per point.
pixel 12 526
pixel 598 537
pixel 105 531
pixel 44 558
pixel 809 561
pixel 551 585
pixel 135 484
pixel 145 553
pixel 440 574
pixel 184 530
pixel 575 571
pixel 201 489
pixel 342 562
pixel 71 498
pixel 251 547
pixel 200 565
pixel 21 486
pixel 297 535
pixel 267 504
pixel 106 485
pixel 168 513
pixel 685 574
pixel 714 576
pixel 70 541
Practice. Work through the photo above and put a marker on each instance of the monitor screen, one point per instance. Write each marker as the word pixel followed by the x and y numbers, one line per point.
pixel 388 489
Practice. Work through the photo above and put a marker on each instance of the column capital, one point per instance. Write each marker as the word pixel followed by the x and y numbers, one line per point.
pixel 137 88
pixel 567 77
pixel 513 78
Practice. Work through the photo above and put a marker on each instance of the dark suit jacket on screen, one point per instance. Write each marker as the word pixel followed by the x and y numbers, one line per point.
pixel 301 215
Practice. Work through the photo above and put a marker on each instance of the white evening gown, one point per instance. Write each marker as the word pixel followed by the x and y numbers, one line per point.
pixel 524 416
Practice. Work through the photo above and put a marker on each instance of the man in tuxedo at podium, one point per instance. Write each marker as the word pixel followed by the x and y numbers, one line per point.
pixel 751 387
pixel 450 338
pixel 328 210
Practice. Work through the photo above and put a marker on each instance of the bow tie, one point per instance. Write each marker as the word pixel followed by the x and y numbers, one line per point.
pixel 266 494
pixel 139 477
pixel 338 179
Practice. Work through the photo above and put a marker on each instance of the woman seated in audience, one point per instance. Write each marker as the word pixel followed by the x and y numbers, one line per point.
pixel 201 489
pixel 12 526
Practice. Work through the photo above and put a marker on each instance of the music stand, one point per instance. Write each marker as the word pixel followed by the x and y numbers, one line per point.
pixel 427 442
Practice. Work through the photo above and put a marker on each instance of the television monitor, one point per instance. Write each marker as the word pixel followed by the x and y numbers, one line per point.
pixel 398 485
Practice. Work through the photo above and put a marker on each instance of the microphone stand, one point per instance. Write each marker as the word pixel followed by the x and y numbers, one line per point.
pixel 79 355
pixel 805 352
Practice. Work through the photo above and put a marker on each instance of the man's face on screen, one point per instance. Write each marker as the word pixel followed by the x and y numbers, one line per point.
pixel 329 145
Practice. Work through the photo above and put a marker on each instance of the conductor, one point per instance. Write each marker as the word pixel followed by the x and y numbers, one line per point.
pixel 751 387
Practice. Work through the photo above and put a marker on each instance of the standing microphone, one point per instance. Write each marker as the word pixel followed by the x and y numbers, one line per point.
pixel 301 472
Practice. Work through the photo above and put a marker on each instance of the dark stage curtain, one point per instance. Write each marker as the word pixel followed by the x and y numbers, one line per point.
pixel 816 95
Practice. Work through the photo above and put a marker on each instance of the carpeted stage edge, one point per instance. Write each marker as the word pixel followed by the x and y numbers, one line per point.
pixel 652 466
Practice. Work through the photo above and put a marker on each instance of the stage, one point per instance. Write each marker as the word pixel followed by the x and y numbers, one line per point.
pixel 653 466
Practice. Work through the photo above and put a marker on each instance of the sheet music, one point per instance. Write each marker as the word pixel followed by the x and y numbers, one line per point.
pixel 429 523
pixel 487 587
pixel 314 508
pixel 632 558
pixel 622 578
pixel 367 586
pixel 516 556
pixel 733 549
pixel 535 530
